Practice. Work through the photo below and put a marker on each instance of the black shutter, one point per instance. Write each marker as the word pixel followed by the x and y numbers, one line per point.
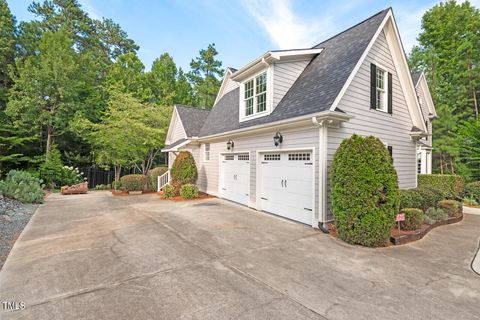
pixel 390 93
pixel 390 151
pixel 373 86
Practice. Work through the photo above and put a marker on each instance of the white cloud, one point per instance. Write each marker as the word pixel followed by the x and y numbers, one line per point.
pixel 409 25
pixel 284 28
pixel 92 12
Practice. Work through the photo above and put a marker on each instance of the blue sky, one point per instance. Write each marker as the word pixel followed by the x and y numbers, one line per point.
pixel 240 29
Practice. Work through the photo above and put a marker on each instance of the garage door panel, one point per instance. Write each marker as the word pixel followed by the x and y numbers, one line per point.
pixel 235 178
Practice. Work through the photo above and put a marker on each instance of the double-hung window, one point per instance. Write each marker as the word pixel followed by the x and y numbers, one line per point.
pixel 381 94
pixel 381 84
pixel 255 95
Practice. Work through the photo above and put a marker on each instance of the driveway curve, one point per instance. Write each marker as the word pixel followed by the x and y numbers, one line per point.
pixel 97 256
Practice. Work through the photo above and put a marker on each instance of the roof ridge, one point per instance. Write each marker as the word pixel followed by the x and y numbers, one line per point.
pixel 354 26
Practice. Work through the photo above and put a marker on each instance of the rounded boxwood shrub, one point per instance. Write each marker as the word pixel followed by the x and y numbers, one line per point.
pixel 410 198
pixel 184 169
pixel 153 175
pixel 22 186
pixel 168 191
pixel 449 185
pixel 451 207
pixel 436 214
pixel 472 191
pixel 189 191
pixel 413 219
pixel 364 191
pixel 430 197
pixel 133 182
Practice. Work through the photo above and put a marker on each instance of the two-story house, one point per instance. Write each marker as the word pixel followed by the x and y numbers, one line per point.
pixel 270 137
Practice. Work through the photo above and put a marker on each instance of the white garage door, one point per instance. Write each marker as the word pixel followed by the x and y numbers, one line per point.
pixel 286 185
pixel 235 177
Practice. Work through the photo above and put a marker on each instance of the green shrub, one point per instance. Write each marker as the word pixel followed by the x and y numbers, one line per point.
pixel 22 186
pixel 451 186
pixel 413 219
pixel 169 191
pixel 436 214
pixel 153 175
pixel 451 207
pixel 364 196
pixel 469 201
pixel 184 169
pixel 410 198
pixel 55 174
pixel 189 191
pixel 134 182
pixel 427 219
pixel 472 191
pixel 430 197
pixel 102 187
pixel 116 185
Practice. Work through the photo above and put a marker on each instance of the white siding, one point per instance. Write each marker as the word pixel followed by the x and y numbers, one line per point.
pixel 229 86
pixel 178 131
pixel 305 137
pixel 284 75
pixel 391 129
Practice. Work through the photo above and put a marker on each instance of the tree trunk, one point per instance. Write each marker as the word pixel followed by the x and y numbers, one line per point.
pixel 441 164
pixel 451 165
pixel 117 169
pixel 49 140
pixel 475 103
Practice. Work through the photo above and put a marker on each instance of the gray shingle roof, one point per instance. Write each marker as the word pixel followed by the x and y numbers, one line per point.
pixel 192 119
pixel 416 77
pixel 315 89
pixel 176 143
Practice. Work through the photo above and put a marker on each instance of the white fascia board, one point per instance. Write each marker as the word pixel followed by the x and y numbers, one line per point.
pixel 222 86
pixel 422 81
pixel 174 149
pixel 404 78
pixel 300 54
pixel 307 119
pixel 171 126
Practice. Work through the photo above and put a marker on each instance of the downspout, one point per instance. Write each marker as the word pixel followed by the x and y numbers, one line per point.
pixel 322 173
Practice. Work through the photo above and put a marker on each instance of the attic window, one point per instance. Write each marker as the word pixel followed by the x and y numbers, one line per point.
pixel 255 95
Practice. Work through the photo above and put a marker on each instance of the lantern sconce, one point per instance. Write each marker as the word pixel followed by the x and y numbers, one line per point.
pixel 230 144
pixel 277 139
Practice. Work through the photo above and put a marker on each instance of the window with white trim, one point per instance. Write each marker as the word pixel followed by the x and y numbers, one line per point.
pixel 244 157
pixel 271 157
pixel 207 152
pixel 419 162
pixel 381 89
pixel 255 95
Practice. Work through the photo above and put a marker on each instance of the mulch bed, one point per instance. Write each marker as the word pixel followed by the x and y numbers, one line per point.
pixel 398 237
pixel 201 195
pixel 125 193
pixel 14 216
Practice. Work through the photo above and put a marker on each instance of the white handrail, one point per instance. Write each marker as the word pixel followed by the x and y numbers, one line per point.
pixel 163 180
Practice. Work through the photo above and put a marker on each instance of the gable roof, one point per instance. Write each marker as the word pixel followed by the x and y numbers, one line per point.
pixel 416 77
pixel 192 119
pixel 315 89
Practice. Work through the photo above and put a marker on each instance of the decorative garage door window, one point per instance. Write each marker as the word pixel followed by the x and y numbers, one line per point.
pixel 299 156
pixel 271 157
pixel 229 157
pixel 245 157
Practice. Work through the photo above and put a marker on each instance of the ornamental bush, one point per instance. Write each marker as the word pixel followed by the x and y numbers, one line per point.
pixel 22 186
pixel 410 198
pixel 429 197
pixel 364 191
pixel 413 219
pixel 184 169
pixel 451 207
pixel 189 191
pixel 153 175
pixel 55 174
pixel 436 214
pixel 134 182
pixel 472 191
pixel 450 186
pixel 168 191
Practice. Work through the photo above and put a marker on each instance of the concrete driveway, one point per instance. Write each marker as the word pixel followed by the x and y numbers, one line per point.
pixel 97 256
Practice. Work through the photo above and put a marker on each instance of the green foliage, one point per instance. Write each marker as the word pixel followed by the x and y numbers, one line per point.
pixel 134 182
pixel 472 190
pixel 22 186
pixel 184 169
pixel 205 69
pixel 102 187
pixel 435 214
pixel 153 175
pixel 169 191
pixel 365 196
pixel 116 185
pixel 469 141
pixel 451 186
pixel 413 219
pixel 410 198
pixel 449 54
pixel 7 51
pixel 55 174
pixel 451 207
pixel 189 191
pixel 429 196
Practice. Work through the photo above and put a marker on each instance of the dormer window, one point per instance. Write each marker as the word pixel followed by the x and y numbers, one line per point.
pixel 255 94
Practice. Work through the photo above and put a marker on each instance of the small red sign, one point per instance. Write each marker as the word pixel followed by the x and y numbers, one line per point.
pixel 400 217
